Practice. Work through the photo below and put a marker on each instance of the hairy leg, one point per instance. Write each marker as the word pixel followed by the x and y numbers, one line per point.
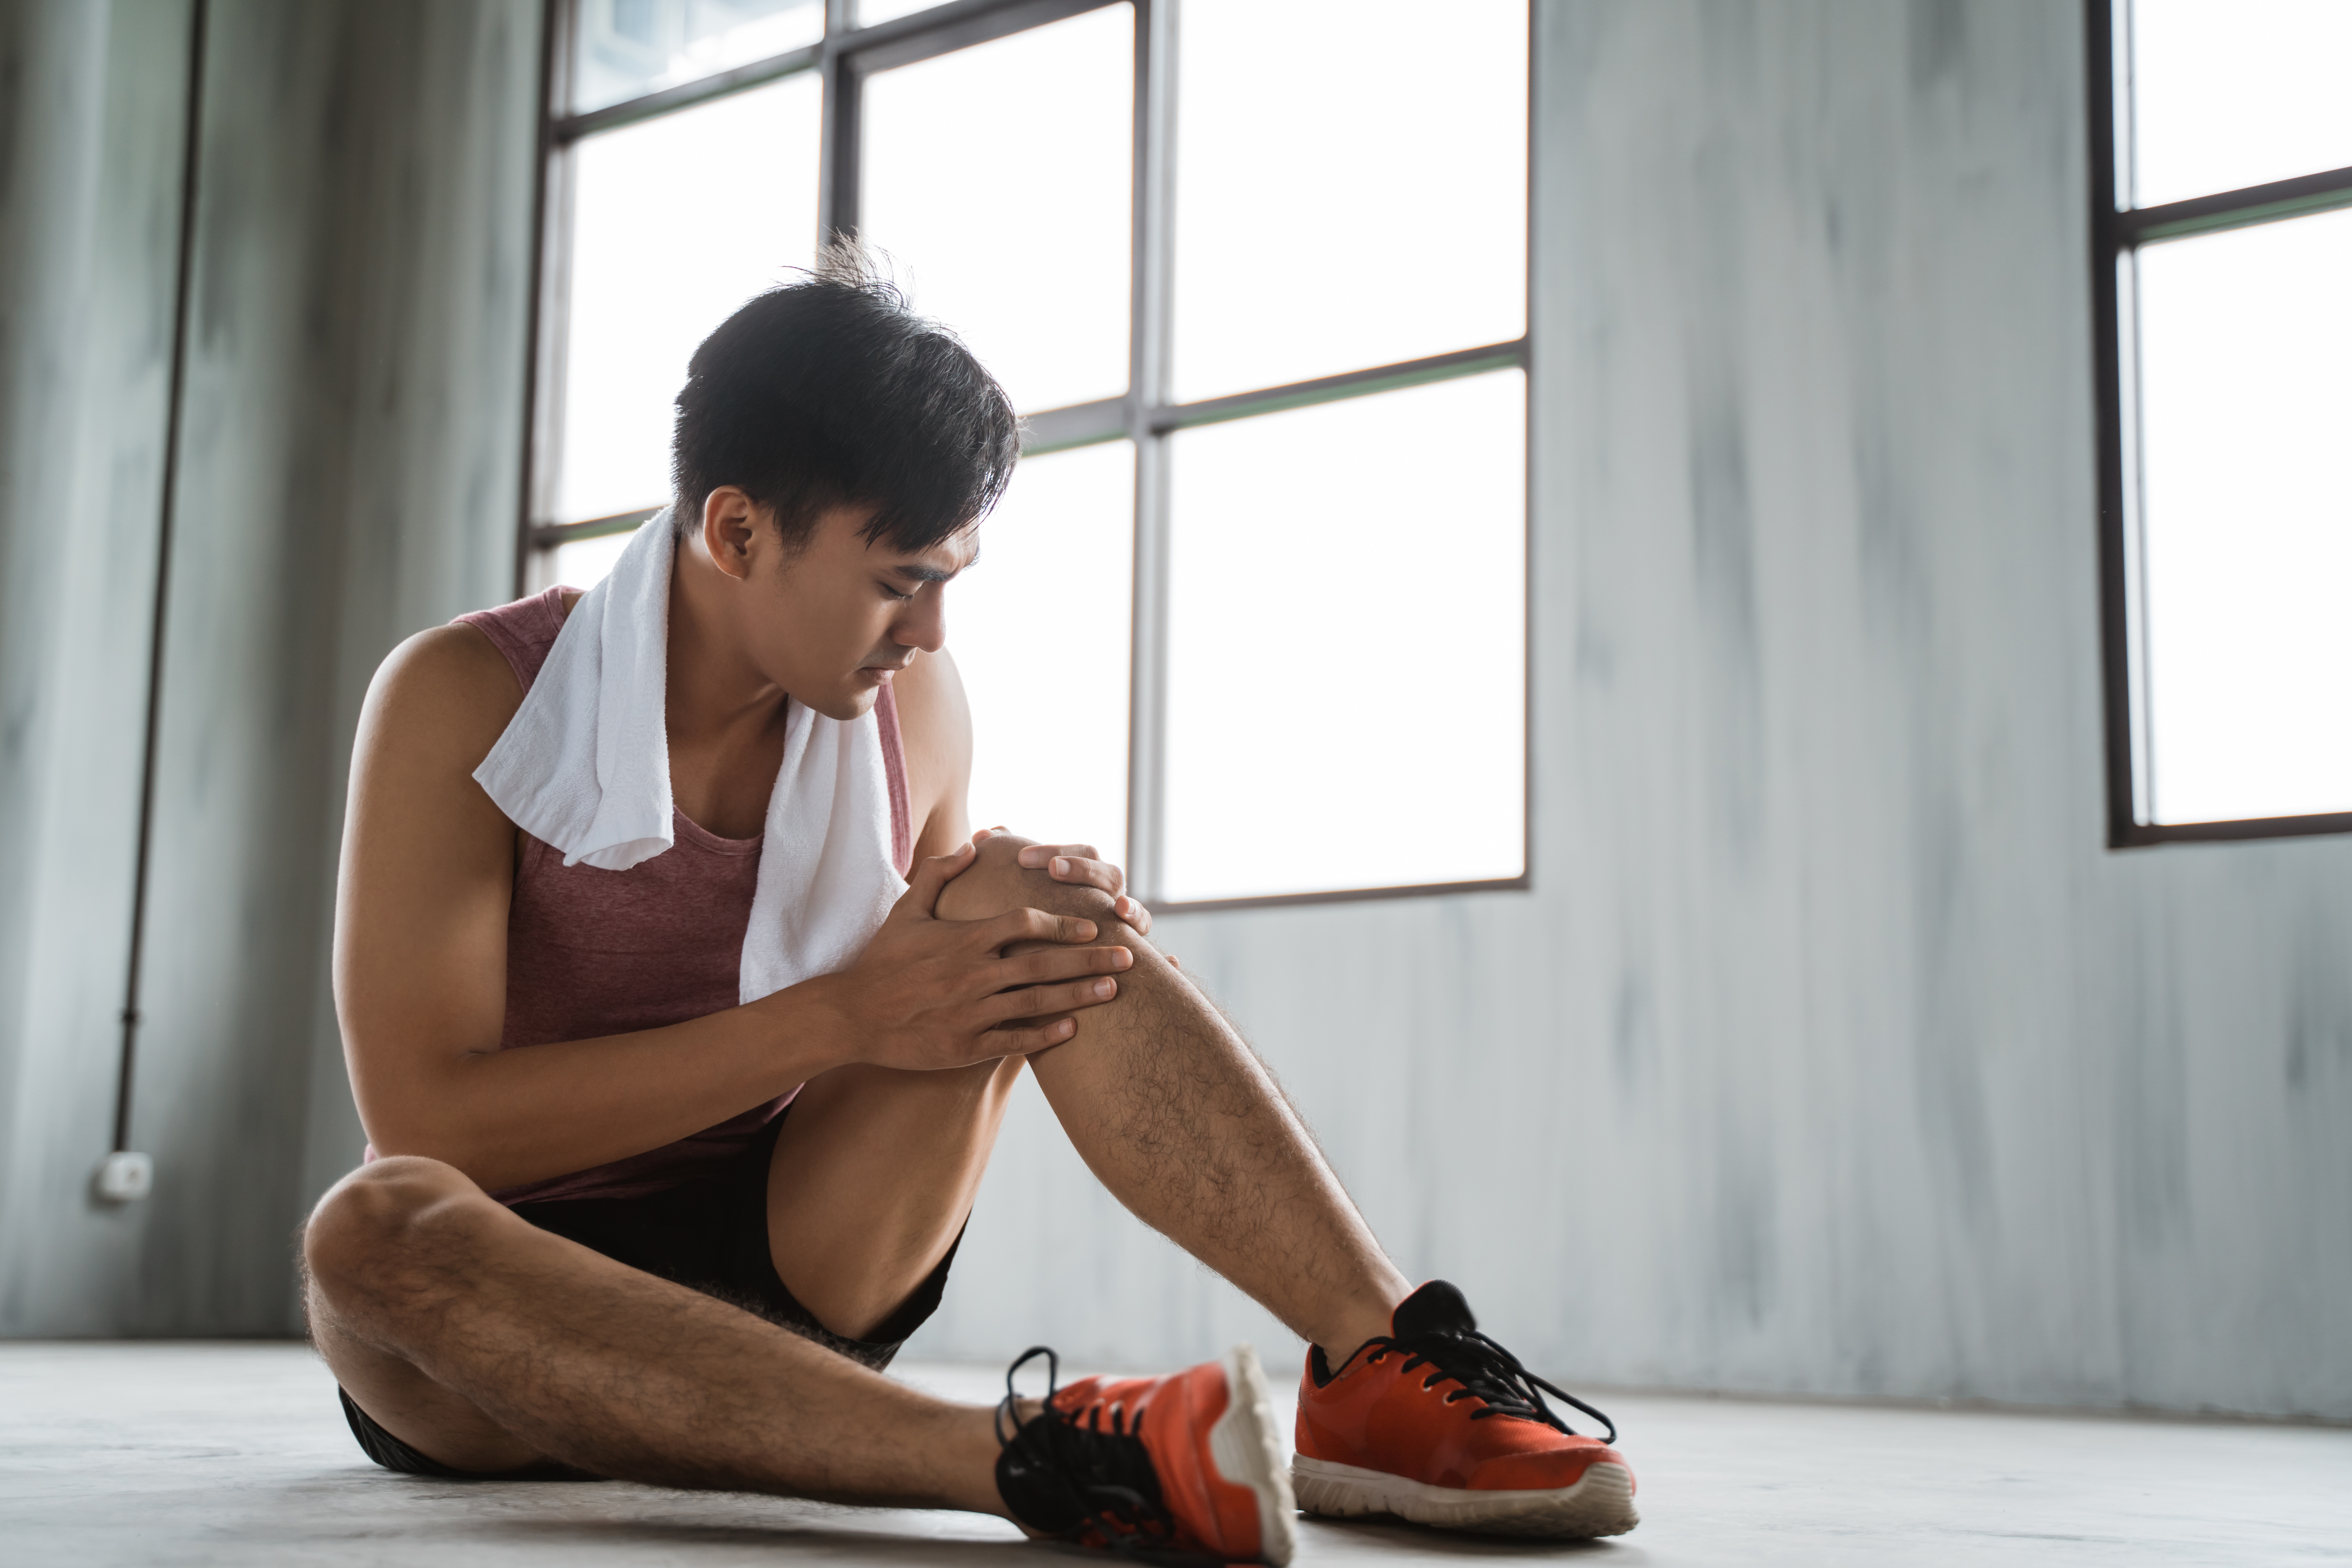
pixel 1179 1118
pixel 490 1345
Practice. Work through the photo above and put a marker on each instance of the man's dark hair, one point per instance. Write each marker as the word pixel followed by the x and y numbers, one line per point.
pixel 830 392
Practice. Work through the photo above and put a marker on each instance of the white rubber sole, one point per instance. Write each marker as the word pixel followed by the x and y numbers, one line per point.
pixel 1599 1503
pixel 1247 1448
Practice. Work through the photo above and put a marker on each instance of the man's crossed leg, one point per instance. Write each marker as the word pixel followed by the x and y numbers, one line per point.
pixel 493 1346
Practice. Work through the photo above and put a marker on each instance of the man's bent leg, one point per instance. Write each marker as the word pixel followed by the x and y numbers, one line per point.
pixel 874 1172
pixel 523 1346
pixel 404 1401
pixel 1177 1116
pixel 1181 1122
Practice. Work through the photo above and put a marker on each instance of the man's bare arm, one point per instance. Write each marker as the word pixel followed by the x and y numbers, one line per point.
pixel 420 967
pixel 935 738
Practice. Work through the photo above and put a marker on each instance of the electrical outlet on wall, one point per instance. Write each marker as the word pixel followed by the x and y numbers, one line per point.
pixel 124 1177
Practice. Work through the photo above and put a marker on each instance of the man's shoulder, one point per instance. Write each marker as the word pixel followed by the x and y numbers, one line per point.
pixel 934 736
pixel 932 711
pixel 447 690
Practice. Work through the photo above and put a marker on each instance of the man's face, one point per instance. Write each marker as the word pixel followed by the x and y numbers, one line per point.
pixel 832 621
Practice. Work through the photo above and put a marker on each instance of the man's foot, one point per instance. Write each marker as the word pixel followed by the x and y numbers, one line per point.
pixel 1439 1425
pixel 1189 1461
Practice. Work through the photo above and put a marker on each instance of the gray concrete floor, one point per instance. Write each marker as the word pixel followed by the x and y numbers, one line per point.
pixel 235 1454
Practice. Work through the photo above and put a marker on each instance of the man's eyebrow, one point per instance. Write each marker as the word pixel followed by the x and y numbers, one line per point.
pixel 919 574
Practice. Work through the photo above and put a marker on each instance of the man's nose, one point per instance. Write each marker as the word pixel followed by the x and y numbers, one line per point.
pixel 924 625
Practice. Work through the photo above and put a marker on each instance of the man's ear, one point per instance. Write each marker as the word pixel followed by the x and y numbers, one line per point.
pixel 731 525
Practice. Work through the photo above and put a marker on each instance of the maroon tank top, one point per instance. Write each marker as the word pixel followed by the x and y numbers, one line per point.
pixel 593 952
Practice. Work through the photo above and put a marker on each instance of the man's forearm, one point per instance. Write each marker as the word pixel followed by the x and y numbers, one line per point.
pixel 524 1114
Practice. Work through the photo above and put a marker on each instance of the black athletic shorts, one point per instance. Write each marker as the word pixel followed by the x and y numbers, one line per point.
pixel 709 1235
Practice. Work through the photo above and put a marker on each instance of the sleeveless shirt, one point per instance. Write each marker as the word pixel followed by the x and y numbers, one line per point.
pixel 593 952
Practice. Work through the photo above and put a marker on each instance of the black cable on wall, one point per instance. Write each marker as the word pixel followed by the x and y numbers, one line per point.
pixel 174 420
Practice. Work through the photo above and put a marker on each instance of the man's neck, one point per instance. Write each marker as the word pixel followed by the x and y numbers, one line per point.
pixel 715 690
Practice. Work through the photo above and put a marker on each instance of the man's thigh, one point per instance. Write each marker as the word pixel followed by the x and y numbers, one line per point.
pixel 874 1172
pixel 876 1168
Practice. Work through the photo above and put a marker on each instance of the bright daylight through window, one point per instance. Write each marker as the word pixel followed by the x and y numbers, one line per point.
pixel 2233 396
pixel 1254 271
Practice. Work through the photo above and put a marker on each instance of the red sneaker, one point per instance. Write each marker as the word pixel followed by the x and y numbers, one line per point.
pixel 1189 1461
pixel 1439 1425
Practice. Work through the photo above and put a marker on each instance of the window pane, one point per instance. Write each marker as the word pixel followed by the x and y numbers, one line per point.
pixel 626 48
pixel 1346 645
pixel 2246 400
pixel 1351 189
pixel 997 177
pixel 584 563
pixel 2238 94
pixel 1039 626
pixel 650 274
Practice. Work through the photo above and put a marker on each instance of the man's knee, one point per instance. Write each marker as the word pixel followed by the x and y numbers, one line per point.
pixel 996 881
pixel 381 1223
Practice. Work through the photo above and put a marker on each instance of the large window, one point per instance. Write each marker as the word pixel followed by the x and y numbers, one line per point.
pixel 2222 143
pixel 1253 616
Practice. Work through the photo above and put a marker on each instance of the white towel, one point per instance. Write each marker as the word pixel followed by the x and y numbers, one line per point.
pixel 585 765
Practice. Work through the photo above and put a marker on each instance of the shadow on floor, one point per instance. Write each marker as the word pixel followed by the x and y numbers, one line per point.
pixel 825 1543
pixel 1369 1538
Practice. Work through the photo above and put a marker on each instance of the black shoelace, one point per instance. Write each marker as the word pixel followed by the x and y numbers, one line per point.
pixel 1061 1475
pixel 1484 1370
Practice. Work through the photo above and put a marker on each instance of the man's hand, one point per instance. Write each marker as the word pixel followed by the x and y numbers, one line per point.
pixel 1081 865
pixel 928 992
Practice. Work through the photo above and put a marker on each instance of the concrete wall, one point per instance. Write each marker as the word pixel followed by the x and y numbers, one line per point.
pixel 92 111
pixel 1831 1051
pixel 352 420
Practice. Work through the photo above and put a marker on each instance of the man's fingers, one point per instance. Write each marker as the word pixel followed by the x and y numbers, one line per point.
pixel 1033 925
pixel 1077 864
pixel 1042 1001
pixel 1081 872
pixel 932 875
pixel 1011 1042
pixel 1133 913
pixel 1036 854
pixel 1053 963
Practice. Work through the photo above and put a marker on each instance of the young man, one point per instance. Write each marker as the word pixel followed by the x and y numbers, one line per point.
pixel 618 1222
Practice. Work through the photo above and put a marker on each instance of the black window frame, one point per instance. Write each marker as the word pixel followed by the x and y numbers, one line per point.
pixel 844 58
pixel 2118 232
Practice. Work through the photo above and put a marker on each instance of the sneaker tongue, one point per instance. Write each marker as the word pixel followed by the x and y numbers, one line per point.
pixel 1437 1307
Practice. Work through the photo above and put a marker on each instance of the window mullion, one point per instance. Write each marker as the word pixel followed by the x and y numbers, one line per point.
pixel 837 151
pixel 550 290
pixel 1155 60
